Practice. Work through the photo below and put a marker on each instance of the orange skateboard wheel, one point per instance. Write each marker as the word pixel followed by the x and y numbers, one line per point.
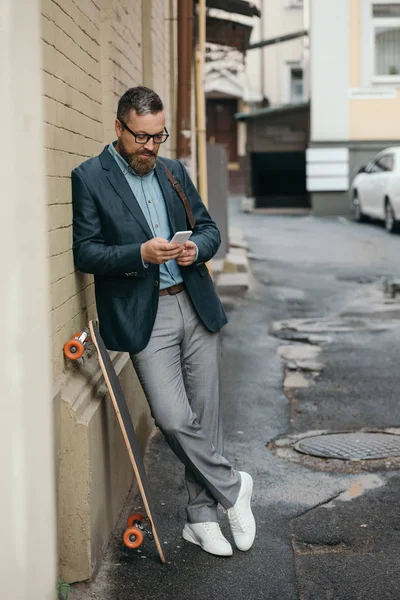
pixel 134 518
pixel 133 538
pixel 74 349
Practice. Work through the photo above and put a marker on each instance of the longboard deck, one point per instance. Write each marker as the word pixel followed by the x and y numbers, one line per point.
pixel 128 431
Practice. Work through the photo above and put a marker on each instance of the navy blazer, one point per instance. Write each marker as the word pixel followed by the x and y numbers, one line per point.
pixel 109 227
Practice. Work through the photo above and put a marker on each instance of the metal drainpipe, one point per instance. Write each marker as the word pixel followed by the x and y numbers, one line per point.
pixel 185 51
pixel 200 103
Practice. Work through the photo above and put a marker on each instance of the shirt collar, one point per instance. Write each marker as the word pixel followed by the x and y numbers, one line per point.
pixel 123 165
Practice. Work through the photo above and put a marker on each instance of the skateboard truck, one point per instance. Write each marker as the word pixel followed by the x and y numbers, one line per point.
pixel 75 347
pixel 134 532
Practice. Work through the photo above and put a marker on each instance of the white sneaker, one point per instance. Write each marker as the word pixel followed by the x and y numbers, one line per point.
pixel 241 520
pixel 209 537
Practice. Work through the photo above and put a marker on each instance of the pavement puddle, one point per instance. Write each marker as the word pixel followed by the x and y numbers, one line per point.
pixel 357 489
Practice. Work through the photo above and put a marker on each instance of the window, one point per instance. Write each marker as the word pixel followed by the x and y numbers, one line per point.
pixel 296 85
pixel 293 83
pixel 382 164
pixel 386 162
pixel 373 167
pixel 386 40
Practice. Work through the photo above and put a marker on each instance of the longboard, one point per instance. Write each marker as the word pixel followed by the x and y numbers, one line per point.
pixel 133 535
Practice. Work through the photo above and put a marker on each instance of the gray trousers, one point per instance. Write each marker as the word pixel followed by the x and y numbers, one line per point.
pixel 180 374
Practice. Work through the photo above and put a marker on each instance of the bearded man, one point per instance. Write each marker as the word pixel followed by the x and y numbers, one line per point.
pixel 156 300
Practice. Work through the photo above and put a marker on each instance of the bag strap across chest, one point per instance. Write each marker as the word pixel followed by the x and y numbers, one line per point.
pixel 176 184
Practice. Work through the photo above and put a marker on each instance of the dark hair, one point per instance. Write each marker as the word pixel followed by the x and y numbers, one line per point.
pixel 142 100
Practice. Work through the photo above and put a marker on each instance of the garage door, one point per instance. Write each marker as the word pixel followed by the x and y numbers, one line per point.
pixel 279 180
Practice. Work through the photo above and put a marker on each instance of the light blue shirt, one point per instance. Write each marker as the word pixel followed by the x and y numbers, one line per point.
pixel 148 193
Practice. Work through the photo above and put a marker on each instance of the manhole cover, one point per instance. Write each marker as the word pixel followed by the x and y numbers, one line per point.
pixel 351 446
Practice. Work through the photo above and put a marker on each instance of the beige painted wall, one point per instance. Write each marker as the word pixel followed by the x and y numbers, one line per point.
pixel 92 52
pixel 279 20
pixel 375 119
pixel 27 498
pixel 369 119
pixel 354 43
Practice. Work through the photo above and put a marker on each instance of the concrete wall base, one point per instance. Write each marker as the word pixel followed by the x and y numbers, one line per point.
pixel 325 204
pixel 94 471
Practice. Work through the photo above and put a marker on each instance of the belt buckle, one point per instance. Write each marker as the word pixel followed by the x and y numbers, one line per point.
pixel 173 293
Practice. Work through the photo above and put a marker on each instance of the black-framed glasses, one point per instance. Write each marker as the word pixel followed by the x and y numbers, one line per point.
pixel 143 138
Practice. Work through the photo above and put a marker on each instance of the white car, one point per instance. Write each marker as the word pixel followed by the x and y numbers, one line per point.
pixel 375 191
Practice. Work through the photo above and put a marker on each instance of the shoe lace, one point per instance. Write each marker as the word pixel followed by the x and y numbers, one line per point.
pixel 213 530
pixel 236 519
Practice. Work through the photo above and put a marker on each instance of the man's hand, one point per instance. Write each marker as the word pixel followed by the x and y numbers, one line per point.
pixel 188 255
pixel 158 251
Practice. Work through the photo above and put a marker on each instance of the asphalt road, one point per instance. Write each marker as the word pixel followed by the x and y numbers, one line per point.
pixel 326 529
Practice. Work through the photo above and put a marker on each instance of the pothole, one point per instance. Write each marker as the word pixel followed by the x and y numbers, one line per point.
pixel 300 359
pixel 391 289
pixel 351 446
pixel 362 279
pixel 333 325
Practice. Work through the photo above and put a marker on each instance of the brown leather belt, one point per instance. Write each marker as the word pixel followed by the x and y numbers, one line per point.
pixel 173 290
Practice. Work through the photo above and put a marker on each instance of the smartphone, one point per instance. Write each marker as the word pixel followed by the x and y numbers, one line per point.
pixel 181 237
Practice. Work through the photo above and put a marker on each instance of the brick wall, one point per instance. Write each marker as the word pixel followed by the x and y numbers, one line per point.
pixel 161 60
pixel 92 52
pixel 73 124
pixel 91 55
pixel 122 55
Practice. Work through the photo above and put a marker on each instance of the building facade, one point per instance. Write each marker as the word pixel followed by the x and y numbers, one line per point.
pixel 278 69
pixel 229 90
pixel 355 91
pixel 276 130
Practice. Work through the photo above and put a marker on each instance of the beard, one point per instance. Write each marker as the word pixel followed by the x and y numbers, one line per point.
pixel 137 161
pixel 142 165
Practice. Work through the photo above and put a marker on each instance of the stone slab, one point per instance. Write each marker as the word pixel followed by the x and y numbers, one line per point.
pixel 294 379
pixel 233 283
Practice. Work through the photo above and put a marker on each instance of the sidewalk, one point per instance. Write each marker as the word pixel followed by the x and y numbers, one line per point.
pixel 231 275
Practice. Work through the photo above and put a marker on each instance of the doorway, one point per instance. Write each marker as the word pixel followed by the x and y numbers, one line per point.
pixel 279 179
pixel 222 125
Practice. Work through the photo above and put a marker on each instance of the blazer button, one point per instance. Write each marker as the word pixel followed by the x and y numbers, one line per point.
pixel 155 283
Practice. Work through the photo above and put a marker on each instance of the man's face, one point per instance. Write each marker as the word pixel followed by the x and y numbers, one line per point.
pixel 141 157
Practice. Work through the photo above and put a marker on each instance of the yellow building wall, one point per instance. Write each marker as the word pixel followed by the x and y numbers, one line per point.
pixel 354 43
pixel 375 119
pixel 160 32
pixel 91 55
pixel 92 52
pixel 121 55
pixel 369 119
pixel 73 123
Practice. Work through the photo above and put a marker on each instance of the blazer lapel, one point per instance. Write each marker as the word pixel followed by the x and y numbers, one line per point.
pixel 121 187
pixel 171 199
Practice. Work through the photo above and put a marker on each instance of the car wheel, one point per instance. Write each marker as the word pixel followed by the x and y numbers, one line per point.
pixel 359 216
pixel 391 224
